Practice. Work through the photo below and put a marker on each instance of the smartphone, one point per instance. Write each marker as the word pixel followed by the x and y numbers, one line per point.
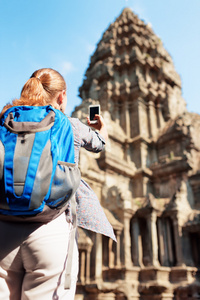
pixel 93 110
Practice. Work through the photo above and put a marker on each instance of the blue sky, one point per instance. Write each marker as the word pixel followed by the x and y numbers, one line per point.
pixel 63 34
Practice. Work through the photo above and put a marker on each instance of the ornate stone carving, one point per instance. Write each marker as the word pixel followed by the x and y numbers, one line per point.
pixel 148 177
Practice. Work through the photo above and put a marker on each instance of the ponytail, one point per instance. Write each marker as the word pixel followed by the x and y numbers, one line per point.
pixel 40 89
pixel 33 93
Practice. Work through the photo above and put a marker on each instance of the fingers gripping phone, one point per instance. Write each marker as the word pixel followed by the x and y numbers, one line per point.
pixel 93 110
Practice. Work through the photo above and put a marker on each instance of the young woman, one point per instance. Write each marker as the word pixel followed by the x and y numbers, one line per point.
pixel 33 256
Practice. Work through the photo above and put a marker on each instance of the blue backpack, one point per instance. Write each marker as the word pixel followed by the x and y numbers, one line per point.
pixel 38 176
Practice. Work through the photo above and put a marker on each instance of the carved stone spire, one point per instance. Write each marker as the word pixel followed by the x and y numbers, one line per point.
pixel 132 76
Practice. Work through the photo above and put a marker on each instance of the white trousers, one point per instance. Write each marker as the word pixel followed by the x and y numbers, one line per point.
pixel 33 259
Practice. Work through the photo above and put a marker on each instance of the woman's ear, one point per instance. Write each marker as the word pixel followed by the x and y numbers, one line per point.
pixel 62 96
pixel 62 100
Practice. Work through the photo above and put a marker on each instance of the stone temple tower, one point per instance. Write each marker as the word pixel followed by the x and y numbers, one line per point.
pixel 148 177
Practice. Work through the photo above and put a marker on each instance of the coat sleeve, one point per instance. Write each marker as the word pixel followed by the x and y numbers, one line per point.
pixel 88 138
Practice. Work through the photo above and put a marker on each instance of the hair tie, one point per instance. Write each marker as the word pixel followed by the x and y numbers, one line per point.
pixel 35 78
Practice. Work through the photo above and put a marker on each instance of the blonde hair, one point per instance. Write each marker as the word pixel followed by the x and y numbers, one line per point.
pixel 40 89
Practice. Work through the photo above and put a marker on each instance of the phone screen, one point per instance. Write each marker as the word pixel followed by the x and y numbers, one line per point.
pixel 94 111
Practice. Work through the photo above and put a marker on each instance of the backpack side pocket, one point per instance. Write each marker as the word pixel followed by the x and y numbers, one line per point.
pixel 65 183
